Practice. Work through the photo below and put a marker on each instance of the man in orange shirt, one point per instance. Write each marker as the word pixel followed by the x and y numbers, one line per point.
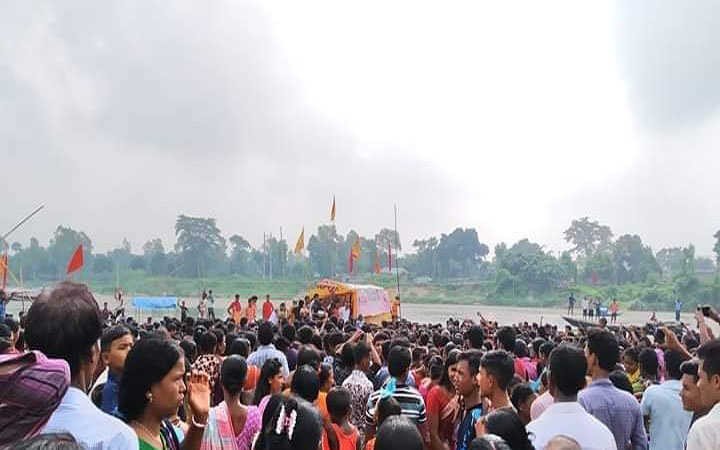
pixel 250 310
pixel 267 309
pixel 395 308
pixel 235 309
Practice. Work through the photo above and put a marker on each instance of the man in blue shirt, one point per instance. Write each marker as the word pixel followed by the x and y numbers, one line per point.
pixel 617 409
pixel 663 407
pixel 115 344
pixel 468 366
pixel 678 308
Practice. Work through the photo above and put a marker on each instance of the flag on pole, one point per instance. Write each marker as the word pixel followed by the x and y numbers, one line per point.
pixel 76 262
pixel 355 251
pixel 376 267
pixel 4 270
pixel 389 256
pixel 300 246
pixel 332 211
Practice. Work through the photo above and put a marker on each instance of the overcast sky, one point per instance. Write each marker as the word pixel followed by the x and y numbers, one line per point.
pixel 513 118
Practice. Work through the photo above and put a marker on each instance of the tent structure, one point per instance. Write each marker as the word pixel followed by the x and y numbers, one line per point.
pixel 371 302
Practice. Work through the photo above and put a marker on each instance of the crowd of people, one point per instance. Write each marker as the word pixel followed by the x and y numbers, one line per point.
pixel 314 378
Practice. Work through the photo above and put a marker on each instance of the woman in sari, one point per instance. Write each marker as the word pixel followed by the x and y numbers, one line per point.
pixel 153 388
pixel 232 425
pixel 443 407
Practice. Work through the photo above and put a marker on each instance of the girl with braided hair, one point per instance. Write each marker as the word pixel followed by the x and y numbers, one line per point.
pixel 289 424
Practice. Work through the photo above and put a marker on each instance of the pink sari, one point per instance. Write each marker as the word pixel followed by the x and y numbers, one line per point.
pixel 220 435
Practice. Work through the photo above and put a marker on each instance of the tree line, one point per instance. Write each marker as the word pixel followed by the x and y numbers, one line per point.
pixel 595 257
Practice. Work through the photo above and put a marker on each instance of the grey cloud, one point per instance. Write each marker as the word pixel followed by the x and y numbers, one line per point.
pixel 668 55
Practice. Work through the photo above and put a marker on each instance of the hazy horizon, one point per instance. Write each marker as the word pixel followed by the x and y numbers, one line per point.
pixel 511 120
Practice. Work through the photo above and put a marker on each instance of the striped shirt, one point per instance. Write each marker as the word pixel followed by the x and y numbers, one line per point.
pixel 410 400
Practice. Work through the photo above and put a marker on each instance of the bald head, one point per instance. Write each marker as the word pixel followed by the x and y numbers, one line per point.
pixel 562 443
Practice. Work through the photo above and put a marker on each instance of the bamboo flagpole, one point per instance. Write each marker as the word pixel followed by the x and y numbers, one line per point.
pixel 397 266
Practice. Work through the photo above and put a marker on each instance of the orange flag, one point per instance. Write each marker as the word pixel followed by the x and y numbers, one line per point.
pixel 376 267
pixel 76 262
pixel 3 270
pixel 300 246
pixel 332 211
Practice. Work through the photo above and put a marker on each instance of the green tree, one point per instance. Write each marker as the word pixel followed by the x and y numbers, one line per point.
pixel 569 266
pixel 633 260
pixel 460 253
pixel 388 237
pixel 671 260
pixel 199 245
pixel 529 263
pixel 241 261
pixel 588 237
pixel 102 264
pixel 426 252
pixel 156 261
pixel 716 248
pixel 323 249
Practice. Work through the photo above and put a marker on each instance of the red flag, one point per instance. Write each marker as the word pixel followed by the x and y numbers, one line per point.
pixel 389 257
pixel 350 263
pixel 76 262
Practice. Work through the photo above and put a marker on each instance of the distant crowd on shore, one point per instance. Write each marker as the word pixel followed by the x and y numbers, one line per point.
pixel 313 376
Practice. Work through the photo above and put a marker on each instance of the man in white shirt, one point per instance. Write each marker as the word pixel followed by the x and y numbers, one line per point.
pixel 566 416
pixel 66 323
pixel 705 432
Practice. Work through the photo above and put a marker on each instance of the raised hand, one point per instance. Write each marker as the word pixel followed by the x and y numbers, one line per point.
pixel 199 395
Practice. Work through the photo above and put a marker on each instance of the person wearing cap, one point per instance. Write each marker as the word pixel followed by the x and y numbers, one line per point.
pixel 31 386
pixel 66 323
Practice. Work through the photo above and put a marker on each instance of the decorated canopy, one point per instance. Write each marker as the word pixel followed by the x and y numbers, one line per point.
pixel 371 302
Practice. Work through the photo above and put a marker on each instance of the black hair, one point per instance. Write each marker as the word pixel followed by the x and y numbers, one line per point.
pixel 489 442
pixel 306 383
pixel 604 346
pixel 473 358
pixel 252 339
pixel 476 336
pixel 324 373
pixel 398 432
pixel 5 331
pixel 233 373
pixel 399 360
pixel 506 337
pixel 288 332
pixel 632 353
pixel 50 441
pixel 508 425
pixel 435 367
pixel 386 407
pixel 568 368
pixel 536 344
pixel 147 363
pixel 521 349
pixel 620 380
pixel 309 356
pixel 649 364
pixel 265 333
pixel 12 324
pixel 190 349
pixel 305 335
pixel 207 342
pixel 451 360
pixel 306 434
pixel 689 368
pixel 239 346
pixel 65 323
pixel 347 355
pixel 520 394
pixel 111 334
pixel 709 354
pixel 673 360
pixel 500 365
pixel 339 401
pixel 361 351
pixel 271 368
pixel 547 348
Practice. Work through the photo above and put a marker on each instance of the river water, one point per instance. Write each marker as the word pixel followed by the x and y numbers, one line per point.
pixel 429 313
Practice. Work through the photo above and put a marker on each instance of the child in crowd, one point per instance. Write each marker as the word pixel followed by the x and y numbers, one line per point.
pixel 386 407
pixel 115 344
pixel 338 405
